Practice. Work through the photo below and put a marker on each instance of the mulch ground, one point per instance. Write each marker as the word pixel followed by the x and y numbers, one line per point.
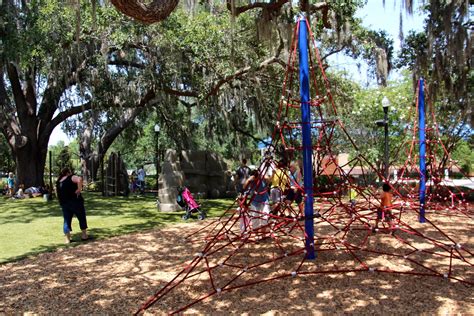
pixel 117 275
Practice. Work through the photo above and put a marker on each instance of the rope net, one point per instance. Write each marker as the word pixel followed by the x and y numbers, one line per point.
pixel 249 245
pixel 443 195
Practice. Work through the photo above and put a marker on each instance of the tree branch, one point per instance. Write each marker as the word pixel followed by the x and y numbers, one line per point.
pixel 275 59
pixel 127 118
pixel 18 95
pixel 272 6
pixel 4 100
pixel 111 134
pixel 332 52
pixel 187 104
pixel 126 63
pixel 9 124
pixel 49 104
pixel 277 5
pixel 54 89
pixel 181 93
pixel 324 7
pixel 31 102
pixel 58 119
pixel 248 134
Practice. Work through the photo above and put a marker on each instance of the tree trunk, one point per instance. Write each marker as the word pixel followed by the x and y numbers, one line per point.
pixel 30 162
pixel 92 159
pixel 27 125
pixel 89 171
pixel 90 163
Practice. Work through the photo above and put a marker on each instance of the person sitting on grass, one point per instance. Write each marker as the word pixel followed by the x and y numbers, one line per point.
pixel 384 212
pixel 5 189
pixel 20 194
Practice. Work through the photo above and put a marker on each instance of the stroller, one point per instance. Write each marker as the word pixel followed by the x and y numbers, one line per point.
pixel 186 201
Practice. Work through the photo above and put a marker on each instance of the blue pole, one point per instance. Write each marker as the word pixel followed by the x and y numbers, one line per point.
pixel 421 128
pixel 307 146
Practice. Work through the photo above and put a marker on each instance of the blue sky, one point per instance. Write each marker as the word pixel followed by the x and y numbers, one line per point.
pixel 374 15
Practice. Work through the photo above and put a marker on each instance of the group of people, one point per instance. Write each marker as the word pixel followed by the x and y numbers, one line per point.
pixel 68 190
pixel 9 187
pixel 22 193
pixel 273 188
pixel 137 180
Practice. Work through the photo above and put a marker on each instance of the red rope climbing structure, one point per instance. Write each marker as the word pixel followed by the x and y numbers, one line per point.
pixel 443 195
pixel 248 246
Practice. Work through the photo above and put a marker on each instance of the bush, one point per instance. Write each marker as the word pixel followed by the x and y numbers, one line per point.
pixel 92 186
pixel 150 183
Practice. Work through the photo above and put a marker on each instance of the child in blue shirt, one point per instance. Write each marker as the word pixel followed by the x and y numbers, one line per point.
pixel 11 184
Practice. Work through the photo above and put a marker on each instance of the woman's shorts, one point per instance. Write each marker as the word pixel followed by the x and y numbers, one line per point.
pixel 294 195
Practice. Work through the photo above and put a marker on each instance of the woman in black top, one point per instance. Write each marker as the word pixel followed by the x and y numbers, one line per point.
pixel 68 188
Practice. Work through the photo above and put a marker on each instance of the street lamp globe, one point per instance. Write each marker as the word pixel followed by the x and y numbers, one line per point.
pixel 385 102
pixel 157 128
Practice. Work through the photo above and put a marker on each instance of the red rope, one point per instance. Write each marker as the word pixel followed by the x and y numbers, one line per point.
pixel 343 228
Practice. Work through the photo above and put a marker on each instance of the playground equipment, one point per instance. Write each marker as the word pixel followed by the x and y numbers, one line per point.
pixel 331 235
pixel 423 179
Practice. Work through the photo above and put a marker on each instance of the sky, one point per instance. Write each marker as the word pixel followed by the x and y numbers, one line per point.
pixel 374 15
pixel 57 136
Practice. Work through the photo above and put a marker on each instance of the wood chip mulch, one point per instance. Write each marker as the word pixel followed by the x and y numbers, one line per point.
pixel 117 275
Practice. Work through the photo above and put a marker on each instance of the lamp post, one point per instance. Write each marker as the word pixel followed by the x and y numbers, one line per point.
pixel 384 123
pixel 385 105
pixel 157 131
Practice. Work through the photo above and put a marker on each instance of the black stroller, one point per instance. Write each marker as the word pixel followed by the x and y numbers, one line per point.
pixel 186 201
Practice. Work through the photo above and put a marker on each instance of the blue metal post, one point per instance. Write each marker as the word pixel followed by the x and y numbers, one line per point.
pixel 421 128
pixel 307 146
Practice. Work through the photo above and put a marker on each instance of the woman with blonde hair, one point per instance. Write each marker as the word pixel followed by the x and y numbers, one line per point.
pixel 11 184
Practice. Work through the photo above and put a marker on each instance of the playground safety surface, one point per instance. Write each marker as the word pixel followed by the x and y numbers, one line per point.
pixel 116 275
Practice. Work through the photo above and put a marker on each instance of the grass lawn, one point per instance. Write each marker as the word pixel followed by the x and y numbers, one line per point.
pixel 32 226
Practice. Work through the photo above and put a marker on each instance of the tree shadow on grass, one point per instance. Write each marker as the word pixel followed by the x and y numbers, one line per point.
pixel 125 215
pixel 27 210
